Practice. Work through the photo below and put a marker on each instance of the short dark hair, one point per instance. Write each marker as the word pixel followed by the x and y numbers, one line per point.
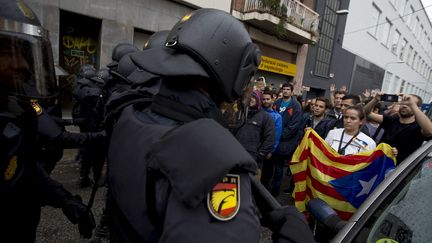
pixel 359 110
pixel 323 99
pixel 288 85
pixel 419 99
pixel 268 92
pixel 354 98
pixel 339 92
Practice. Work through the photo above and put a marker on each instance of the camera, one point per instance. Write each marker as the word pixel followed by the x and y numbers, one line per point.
pixel 389 98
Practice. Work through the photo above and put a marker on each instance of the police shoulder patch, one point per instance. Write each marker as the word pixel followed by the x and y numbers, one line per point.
pixel 11 168
pixel 223 201
pixel 36 107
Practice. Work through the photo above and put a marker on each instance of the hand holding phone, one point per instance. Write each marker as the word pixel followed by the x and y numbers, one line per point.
pixel 390 98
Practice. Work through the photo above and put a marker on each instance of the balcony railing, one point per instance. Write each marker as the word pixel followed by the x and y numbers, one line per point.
pixel 296 13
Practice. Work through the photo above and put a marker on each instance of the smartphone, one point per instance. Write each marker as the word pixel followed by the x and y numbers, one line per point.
pixel 390 98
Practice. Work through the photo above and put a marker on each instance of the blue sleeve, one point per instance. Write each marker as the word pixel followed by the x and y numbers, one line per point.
pixel 278 130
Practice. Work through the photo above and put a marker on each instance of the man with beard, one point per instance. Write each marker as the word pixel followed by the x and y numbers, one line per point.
pixel 407 131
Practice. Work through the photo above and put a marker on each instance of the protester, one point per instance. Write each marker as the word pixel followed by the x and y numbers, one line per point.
pixel 374 128
pixel 347 101
pixel 335 102
pixel 257 135
pixel 290 110
pixel 317 120
pixel 267 104
pixel 406 132
pixel 349 139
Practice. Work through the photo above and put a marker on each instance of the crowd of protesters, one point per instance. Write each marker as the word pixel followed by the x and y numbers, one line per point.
pixel 349 123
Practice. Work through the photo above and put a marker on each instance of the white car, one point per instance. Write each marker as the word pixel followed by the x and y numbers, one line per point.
pixel 399 209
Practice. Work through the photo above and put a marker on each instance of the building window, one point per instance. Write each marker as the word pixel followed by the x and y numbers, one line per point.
pixel 408 56
pixel 387 80
pixel 417 63
pixel 423 40
pixel 408 14
pixel 374 18
pixel 402 6
pixel 416 26
pixel 422 67
pixel 327 36
pixel 411 63
pixel 395 41
pixel 402 50
pixel 419 30
pixel 395 84
pixel 385 32
pixel 402 87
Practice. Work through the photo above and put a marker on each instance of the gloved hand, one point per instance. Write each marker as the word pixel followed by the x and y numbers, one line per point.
pixel 78 213
pixel 288 225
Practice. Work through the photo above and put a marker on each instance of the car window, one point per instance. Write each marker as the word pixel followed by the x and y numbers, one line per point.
pixel 405 215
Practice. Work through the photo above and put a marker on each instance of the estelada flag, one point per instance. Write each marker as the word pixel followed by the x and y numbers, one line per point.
pixel 344 182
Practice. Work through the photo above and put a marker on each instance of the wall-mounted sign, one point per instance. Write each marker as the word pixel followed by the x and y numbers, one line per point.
pixel 277 66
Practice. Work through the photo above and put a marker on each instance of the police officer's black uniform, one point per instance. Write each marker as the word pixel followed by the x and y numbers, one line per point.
pixel 88 115
pixel 176 174
pixel 26 73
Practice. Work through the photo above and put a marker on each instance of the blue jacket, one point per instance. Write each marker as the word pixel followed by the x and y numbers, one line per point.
pixel 278 125
pixel 292 127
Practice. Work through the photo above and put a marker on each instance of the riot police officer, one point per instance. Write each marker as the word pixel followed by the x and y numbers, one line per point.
pixel 88 115
pixel 27 73
pixel 176 174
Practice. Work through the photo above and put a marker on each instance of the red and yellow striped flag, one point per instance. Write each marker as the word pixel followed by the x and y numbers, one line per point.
pixel 344 182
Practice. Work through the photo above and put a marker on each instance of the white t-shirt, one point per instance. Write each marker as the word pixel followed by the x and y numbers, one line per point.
pixel 359 144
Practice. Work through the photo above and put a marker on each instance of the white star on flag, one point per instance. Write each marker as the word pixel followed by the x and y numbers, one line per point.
pixel 367 186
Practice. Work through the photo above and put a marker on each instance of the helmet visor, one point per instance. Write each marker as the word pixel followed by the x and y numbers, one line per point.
pixel 26 66
pixel 235 113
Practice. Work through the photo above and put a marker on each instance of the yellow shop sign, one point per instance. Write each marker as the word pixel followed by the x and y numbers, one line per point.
pixel 277 66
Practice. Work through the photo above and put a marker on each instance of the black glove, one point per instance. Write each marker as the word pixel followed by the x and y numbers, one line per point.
pixel 288 225
pixel 78 213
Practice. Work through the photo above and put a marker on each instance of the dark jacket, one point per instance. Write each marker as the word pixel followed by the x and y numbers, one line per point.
pixel 291 127
pixel 167 158
pixel 331 114
pixel 257 135
pixel 323 127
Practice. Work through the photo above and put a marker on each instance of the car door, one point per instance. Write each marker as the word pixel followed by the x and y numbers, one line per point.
pixel 399 209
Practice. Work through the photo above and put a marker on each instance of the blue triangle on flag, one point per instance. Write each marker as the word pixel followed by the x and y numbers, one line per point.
pixel 357 186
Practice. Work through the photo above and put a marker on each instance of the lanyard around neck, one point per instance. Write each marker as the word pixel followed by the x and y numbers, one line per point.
pixel 342 150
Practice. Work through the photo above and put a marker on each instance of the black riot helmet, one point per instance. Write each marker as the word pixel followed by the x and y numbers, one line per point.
pixel 26 61
pixel 87 71
pixel 128 69
pixel 157 39
pixel 119 51
pixel 102 76
pixel 221 45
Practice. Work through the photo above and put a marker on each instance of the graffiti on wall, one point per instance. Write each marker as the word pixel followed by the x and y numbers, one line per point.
pixel 78 50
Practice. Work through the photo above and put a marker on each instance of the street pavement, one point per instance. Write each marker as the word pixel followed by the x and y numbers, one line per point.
pixel 54 227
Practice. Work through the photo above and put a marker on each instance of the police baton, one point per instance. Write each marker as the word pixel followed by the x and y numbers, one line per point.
pixel 264 199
